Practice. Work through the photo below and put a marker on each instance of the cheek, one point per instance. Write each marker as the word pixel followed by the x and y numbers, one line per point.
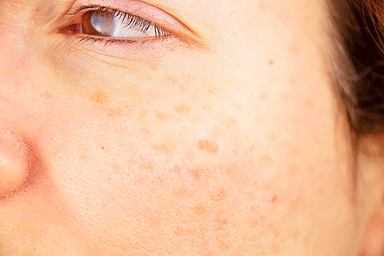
pixel 219 165
pixel 170 170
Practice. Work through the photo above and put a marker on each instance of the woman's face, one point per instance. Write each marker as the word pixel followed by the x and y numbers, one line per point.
pixel 219 138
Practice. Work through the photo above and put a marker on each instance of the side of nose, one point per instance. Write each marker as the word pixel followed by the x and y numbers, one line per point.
pixel 14 162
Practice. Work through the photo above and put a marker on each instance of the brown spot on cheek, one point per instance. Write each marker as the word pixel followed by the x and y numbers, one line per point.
pixel 182 109
pixel 208 146
pixel 200 209
pixel 307 240
pixel 220 196
pixel 162 116
pixel 196 174
pixel 99 97
pixel 148 77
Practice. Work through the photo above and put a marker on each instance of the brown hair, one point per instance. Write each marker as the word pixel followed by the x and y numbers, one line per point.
pixel 357 65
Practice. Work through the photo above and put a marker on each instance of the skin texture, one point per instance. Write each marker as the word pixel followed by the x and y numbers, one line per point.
pixel 225 139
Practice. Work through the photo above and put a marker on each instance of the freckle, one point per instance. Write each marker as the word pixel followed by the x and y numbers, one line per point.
pixel 212 90
pixel 147 166
pixel 99 97
pixel 230 122
pixel 182 109
pixel 219 196
pixel 176 169
pixel 222 223
pixel 180 192
pixel 117 167
pixel 274 199
pixel 172 80
pixel 263 96
pixel 233 121
pixel 162 116
pixel 231 81
pixel 152 66
pixel 196 174
pixel 114 112
pixel 311 169
pixel 200 210
pixel 148 77
pixel 307 240
pixel 208 146
pixel 102 148
pixel 296 235
pixel 271 62
pixel 183 133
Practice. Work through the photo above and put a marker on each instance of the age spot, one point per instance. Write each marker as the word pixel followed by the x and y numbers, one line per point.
pixel 208 146
pixel 162 116
pixel 99 97
pixel 182 109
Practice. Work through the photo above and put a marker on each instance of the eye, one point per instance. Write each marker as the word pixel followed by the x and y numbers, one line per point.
pixel 113 23
pixel 105 22
pixel 127 30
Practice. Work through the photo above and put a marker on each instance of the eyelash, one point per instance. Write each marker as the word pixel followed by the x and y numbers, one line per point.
pixel 134 21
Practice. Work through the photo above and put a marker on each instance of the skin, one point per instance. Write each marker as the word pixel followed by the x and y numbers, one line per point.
pixel 224 140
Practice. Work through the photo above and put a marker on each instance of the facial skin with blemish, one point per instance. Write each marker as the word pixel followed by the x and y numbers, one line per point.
pixel 220 136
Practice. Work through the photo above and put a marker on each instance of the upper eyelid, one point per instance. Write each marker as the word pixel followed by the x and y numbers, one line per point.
pixel 114 11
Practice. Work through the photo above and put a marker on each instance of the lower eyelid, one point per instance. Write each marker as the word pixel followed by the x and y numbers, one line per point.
pixel 127 49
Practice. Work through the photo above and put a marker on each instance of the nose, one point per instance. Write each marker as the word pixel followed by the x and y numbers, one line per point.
pixel 14 162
